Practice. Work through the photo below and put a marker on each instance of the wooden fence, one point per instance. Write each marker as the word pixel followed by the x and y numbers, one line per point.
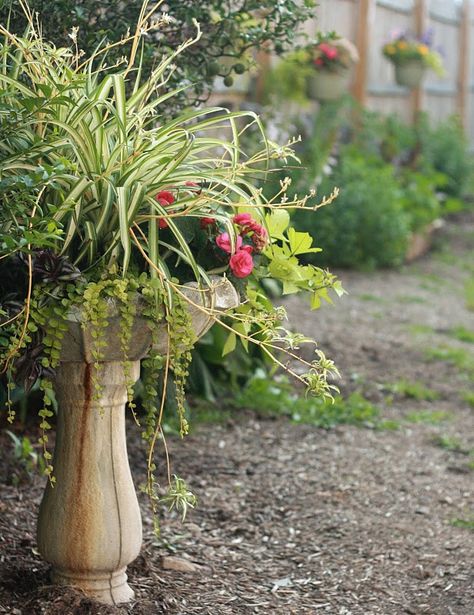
pixel 369 23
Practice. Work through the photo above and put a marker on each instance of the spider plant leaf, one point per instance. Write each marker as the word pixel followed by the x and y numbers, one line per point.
pixel 123 205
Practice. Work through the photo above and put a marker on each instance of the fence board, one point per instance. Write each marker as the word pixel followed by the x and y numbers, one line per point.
pixel 470 102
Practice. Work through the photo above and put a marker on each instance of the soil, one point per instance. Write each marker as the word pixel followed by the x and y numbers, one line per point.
pixel 297 520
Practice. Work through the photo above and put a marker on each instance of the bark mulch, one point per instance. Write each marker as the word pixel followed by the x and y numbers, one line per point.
pixel 297 520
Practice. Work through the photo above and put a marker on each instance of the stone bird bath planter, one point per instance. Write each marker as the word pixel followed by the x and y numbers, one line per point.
pixel 89 525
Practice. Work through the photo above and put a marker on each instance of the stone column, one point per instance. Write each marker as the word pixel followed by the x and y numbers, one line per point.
pixel 89 525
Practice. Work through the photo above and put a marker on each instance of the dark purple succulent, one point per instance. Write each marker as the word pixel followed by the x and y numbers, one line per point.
pixel 29 367
pixel 50 267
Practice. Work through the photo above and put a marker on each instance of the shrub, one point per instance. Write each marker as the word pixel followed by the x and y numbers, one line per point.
pixel 445 148
pixel 231 29
pixel 367 226
pixel 418 197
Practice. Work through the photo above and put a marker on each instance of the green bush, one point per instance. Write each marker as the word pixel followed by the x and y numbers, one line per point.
pixel 231 31
pixel 418 197
pixel 445 149
pixel 367 226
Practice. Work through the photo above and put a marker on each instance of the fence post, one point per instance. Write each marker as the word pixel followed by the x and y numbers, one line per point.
pixel 365 18
pixel 421 20
pixel 463 66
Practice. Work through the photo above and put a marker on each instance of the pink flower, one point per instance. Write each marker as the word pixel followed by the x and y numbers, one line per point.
pixel 164 198
pixel 224 243
pixel 192 184
pixel 319 62
pixel 248 249
pixel 205 222
pixel 242 219
pixel 241 264
pixel 329 51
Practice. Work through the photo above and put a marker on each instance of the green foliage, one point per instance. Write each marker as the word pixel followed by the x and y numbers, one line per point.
pixel 468 397
pixel 25 456
pixel 417 329
pixel 419 197
pixel 433 417
pixel 459 357
pixel 451 443
pixel 391 185
pixel 366 227
pixel 288 79
pixel 179 497
pixel 466 524
pixel 462 334
pixel 413 390
pixel 277 397
pixel 445 149
pixel 469 294
pixel 371 297
pixel 230 31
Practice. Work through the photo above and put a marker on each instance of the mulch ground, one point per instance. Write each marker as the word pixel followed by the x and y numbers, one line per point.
pixel 297 520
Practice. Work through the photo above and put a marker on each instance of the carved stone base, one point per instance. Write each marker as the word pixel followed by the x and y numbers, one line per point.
pixel 89 525
pixel 109 588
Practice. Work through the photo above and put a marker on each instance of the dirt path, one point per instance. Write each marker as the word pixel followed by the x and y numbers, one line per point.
pixel 298 520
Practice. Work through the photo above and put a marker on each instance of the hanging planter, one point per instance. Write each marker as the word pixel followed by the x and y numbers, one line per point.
pixel 329 75
pixel 325 86
pixel 89 524
pixel 410 74
pixel 412 58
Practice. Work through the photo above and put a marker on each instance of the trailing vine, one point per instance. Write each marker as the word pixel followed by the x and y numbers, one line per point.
pixel 182 339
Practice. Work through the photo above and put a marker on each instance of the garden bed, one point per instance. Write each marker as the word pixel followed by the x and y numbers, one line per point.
pixel 294 519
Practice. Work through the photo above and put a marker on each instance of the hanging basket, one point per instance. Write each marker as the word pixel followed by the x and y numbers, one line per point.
pixel 325 86
pixel 89 524
pixel 410 74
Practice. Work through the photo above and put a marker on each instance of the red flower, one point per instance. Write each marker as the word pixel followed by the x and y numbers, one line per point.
pixel 241 264
pixel 205 222
pixel 242 219
pixel 164 198
pixel 319 62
